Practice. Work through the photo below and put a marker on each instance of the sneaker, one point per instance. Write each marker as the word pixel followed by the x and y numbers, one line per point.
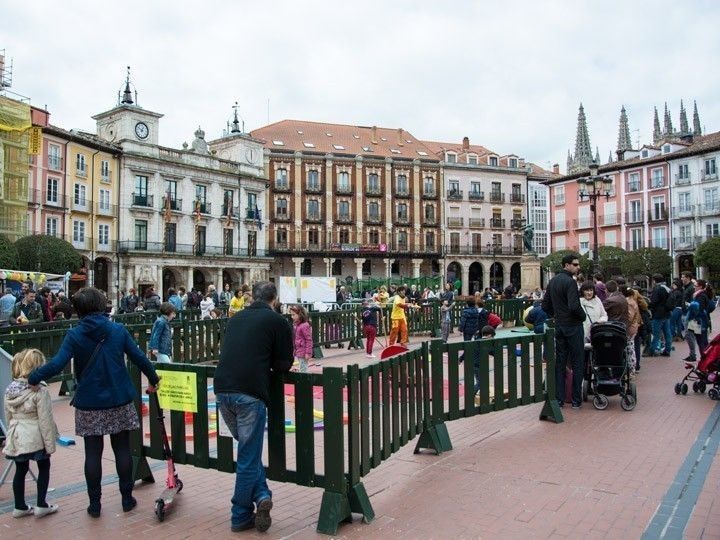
pixel 262 515
pixel 370 356
pixel 41 511
pixel 250 524
pixel 22 513
pixel 689 358
pixel 575 407
pixel 665 354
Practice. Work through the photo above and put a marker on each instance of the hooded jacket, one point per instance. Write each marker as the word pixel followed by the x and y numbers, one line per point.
pixel 105 383
pixel 30 421
pixel 469 322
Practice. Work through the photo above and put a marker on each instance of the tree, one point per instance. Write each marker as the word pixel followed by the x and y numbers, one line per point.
pixel 8 254
pixel 610 259
pixel 708 254
pixel 646 262
pixel 47 254
pixel 553 262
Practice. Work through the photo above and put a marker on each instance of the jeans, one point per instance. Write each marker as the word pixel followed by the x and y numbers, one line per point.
pixel 569 345
pixel 676 326
pixel 245 417
pixel 658 326
pixel 691 340
pixel 164 358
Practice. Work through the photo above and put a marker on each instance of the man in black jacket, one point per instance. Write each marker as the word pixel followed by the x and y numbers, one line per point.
pixel 688 289
pixel 660 316
pixel 562 301
pixel 258 342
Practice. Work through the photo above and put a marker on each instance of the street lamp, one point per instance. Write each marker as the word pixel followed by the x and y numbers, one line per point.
pixel 592 188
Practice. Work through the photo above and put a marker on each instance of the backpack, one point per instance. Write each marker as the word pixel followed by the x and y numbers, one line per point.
pixel 712 304
pixel 193 299
pixel 494 320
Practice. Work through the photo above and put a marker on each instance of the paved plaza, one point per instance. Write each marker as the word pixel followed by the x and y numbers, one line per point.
pixel 599 474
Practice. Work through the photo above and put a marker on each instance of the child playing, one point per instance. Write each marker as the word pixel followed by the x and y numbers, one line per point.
pixel 161 335
pixel 370 313
pixel 302 338
pixel 31 433
pixel 445 318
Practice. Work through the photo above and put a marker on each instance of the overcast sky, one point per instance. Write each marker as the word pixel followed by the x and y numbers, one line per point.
pixel 509 75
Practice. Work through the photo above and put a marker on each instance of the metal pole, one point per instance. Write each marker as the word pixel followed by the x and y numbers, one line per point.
pixel 593 208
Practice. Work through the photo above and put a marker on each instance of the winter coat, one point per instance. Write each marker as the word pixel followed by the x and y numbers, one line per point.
pixel 634 316
pixel 595 312
pixel 32 312
pixel 176 301
pixel 206 306
pixel 31 426
pixel 302 340
pixel 152 303
pixel 616 307
pixel 105 383
pixel 537 317
pixel 658 302
pixel 562 300
pixel 161 336
pixel 469 321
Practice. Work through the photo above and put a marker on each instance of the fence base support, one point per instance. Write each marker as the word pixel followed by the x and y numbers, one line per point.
pixel 334 509
pixel 317 352
pixel 551 411
pixel 67 387
pixel 141 470
pixel 355 344
pixel 360 502
pixel 434 437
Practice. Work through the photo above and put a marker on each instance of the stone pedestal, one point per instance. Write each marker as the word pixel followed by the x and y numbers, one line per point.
pixel 529 272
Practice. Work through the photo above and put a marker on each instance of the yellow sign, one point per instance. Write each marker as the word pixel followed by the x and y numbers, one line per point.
pixel 35 141
pixel 178 390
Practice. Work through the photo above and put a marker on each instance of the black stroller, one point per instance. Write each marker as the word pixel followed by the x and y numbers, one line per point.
pixel 609 369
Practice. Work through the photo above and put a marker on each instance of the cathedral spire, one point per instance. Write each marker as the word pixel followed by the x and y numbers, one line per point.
pixel 657 134
pixel 623 132
pixel 684 128
pixel 597 155
pixel 667 124
pixel 583 151
pixel 610 157
pixel 127 98
pixel 696 120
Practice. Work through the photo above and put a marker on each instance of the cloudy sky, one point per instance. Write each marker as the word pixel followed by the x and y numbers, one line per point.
pixel 509 74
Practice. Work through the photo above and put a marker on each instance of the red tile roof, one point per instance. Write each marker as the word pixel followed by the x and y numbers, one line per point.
pixel 342 139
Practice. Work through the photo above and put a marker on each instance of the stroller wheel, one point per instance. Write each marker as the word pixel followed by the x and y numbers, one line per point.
pixel 701 387
pixel 627 403
pixel 160 509
pixel 600 402
pixel 713 393
pixel 584 390
pixel 695 387
pixel 678 388
pixel 684 388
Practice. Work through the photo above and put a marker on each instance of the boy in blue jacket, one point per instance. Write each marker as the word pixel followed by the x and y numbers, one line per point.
pixel 161 335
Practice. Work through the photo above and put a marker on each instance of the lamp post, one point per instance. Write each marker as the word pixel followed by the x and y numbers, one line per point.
pixel 592 188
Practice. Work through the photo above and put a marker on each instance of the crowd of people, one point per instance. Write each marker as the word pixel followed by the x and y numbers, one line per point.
pixel 32 306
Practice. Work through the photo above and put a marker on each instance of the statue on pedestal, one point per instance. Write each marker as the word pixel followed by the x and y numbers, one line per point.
pixel 528 235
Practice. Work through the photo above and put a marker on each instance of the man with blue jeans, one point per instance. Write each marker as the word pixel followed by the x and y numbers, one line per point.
pixel 659 307
pixel 258 342
pixel 562 301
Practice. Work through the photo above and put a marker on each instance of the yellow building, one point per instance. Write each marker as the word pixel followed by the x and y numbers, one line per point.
pixel 14 132
pixel 92 191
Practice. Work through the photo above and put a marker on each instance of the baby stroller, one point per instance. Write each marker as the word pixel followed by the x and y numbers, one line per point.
pixel 705 373
pixel 610 374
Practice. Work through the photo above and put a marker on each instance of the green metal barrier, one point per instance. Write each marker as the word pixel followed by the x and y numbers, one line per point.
pixel 389 404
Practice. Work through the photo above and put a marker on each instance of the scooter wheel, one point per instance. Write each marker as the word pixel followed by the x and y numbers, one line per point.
pixel 179 485
pixel 160 510
pixel 678 388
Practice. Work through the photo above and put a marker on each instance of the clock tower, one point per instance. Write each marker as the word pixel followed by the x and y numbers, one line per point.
pixel 127 122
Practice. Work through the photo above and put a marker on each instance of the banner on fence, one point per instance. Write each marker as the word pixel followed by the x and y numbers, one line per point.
pixel 178 390
pixel 288 290
pixel 318 289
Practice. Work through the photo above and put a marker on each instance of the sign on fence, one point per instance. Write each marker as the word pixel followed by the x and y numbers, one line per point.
pixel 178 391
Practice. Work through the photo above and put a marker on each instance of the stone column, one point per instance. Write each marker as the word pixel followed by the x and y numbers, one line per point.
pixel 465 289
pixel 416 267
pixel 130 278
pixel 219 283
pixel 188 278
pixel 298 210
pixel 358 268
pixel 297 261
pixel 328 266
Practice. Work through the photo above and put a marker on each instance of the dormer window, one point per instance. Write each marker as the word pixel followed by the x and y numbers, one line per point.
pixel 513 163
pixel 493 161
pixel 472 159
pixel 644 153
pixel 278 143
pixel 451 157
pixel 308 145
pixel 666 149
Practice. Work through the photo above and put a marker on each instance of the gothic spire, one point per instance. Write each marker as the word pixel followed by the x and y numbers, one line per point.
pixel 623 132
pixel 610 157
pixel 657 134
pixel 667 124
pixel 696 120
pixel 684 128
pixel 569 161
pixel 127 94
pixel 597 155
pixel 583 151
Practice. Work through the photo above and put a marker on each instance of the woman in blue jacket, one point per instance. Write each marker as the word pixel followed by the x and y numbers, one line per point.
pixel 104 395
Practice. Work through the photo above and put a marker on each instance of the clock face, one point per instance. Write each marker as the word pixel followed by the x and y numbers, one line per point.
pixel 250 155
pixel 141 130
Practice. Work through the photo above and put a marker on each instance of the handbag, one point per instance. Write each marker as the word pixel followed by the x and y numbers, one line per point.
pixel 694 326
pixel 89 363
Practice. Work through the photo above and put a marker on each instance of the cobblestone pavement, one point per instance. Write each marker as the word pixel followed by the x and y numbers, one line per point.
pixel 600 474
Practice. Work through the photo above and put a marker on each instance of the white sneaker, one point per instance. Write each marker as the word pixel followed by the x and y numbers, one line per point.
pixel 22 513
pixel 41 511
pixel 370 356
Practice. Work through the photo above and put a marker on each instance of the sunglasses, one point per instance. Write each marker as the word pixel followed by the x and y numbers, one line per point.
pixel 575 264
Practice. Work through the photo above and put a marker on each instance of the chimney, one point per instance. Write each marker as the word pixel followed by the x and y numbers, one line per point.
pixel 466 143
pixel 400 137
pixel 556 168
pixel 373 135
pixel 521 163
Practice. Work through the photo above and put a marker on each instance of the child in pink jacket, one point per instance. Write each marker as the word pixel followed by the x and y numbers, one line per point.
pixel 302 337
